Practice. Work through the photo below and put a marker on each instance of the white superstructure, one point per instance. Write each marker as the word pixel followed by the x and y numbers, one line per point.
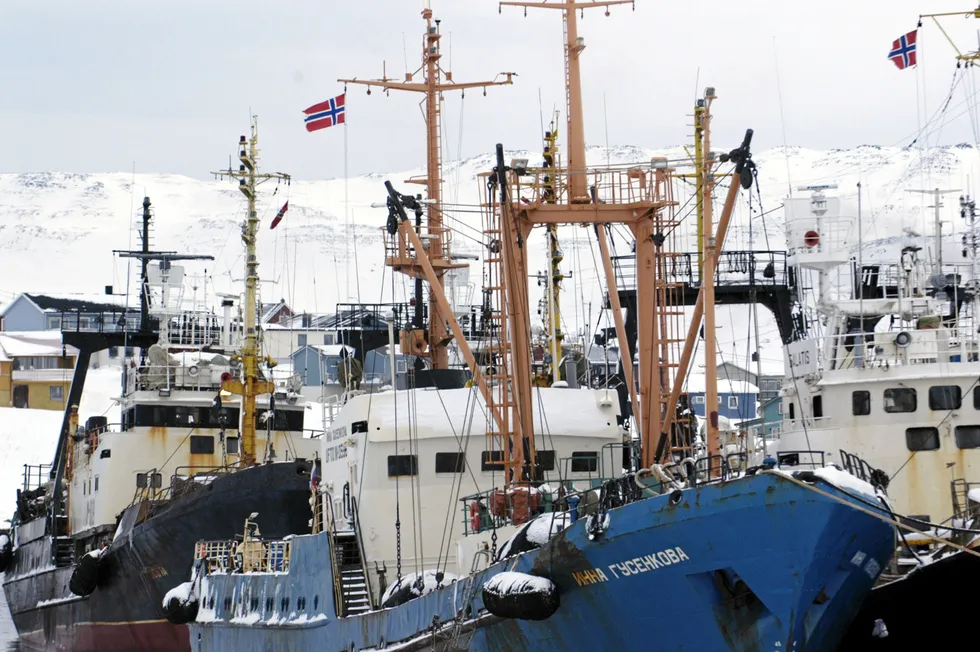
pixel 889 369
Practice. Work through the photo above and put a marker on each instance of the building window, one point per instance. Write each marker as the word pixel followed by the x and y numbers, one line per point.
pixel 720 397
pixel 818 407
pixel 585 462
pixel 54 323
pixel 328 339
pixel 492 461
pixel 861 402
pixel 945 397
pixel 202 445
pixel 779 407
pixel 56 392
pixel 699 400
pixel 450 463
pixel 301 339
pixel 402 465
pixel 733 402
pixel 546 460
pixel 967 436
pixel 922 439
pixel 900 399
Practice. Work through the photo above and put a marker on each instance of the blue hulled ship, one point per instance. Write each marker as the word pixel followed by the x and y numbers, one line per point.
pixel 759 563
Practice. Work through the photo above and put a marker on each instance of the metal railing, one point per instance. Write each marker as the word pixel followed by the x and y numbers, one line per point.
pixel 761 269
pixel 806 458
pixel 898 347
pixel 35 475
pixel 247 556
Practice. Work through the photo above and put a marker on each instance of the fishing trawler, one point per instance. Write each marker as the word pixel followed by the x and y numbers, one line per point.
pixel 556 541
pixel 877 336
pixel 210 433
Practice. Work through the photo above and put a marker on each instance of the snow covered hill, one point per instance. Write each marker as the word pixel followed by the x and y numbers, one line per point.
pixel 57 231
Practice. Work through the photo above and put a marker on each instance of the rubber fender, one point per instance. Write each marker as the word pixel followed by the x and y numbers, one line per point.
pixel 521 596
pixel 179 612
pixel 6 556
pixel 85 578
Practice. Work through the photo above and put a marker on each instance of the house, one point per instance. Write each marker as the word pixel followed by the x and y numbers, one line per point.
pixel 275 313
pixel 40 312
pixel 317 364
pixel 737 400
pixel 770 384
pixel 770 414
pixel 35 370
pixel 281 339
pixel 36 313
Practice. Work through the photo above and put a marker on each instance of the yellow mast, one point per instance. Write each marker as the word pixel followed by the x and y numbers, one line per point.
pixel 551 372
pixel 707 187
pixel 975 13
pixel 250 385
pixel 432 86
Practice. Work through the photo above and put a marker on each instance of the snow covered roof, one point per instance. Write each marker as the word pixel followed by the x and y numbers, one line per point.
pixel 23 344
pixel 698 384
pixel 326 349
pixel 80 302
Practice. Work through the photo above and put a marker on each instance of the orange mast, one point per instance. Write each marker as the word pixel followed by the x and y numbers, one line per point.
pixel 437 244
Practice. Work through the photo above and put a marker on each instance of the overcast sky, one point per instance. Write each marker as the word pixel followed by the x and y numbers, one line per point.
pixel 101 85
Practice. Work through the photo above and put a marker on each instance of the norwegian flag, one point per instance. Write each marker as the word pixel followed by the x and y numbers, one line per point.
pixel 326 114
pixel 903 50
pixel 278 218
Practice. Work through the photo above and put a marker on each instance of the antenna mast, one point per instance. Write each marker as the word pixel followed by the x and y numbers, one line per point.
pixel 250 386
pixel 437 241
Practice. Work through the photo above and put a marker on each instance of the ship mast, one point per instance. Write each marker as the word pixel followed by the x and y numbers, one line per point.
pixel 250 385
pixel 435 83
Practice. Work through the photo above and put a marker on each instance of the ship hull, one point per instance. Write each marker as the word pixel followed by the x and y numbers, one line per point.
pixel 124 614
pixel 929 607
pixel 760 563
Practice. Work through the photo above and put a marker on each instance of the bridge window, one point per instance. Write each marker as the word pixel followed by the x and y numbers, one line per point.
pixel 585 462
pixel 861 403
pixel 450 463
pixel 792 411
pixel 967 436
pixel 402 465
pixel 231 445
pixel 202 445
pixel 976 398
pixel 922 439
pixel 900 399
pixel 945 397
pixel 546 460
pixel 492 461
pixel 818 407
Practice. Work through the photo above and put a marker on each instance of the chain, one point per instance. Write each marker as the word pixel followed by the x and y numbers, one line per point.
pixel 398 543
pixel 493 540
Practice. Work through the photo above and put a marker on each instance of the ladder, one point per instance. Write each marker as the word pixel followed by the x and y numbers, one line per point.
pixel 671 274
pixel 497 349
pixel 64 551
pixel 354 595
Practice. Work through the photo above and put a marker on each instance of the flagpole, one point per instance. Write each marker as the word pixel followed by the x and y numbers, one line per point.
pixel 346 204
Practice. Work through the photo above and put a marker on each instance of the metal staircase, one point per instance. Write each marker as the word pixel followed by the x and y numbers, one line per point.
pixel 354 596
